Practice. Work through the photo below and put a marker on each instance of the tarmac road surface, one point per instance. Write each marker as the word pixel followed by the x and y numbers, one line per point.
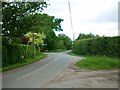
pixel 37 74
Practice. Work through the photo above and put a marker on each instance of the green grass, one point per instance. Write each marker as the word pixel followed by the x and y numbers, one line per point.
pixel 24 62
pixel 59 50
pixel 98 63
pixel 73 54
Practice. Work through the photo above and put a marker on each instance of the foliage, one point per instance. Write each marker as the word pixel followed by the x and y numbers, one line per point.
pixel 13 14
pixel 85 36
pixel 98 46
pixel 98 63
pixel 74 54
pixel 15 53
pixel 13 18
pixel 46 24
pixel 38 38
pixel 50 40
pixel 38 22
pixel 42 23
pixel 21 18
pixel 4 56
pixel 63 42
pixel 60 45
pixel 57 23
pixel 25 39
pixel 25 62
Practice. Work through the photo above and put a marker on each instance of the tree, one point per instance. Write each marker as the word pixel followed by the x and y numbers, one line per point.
pixel 50 40
pixel 13 13
pixel 38 38
pixel 42 23
pixel 57 23
pixel 46 24
pixel 22 17
pixel 67 42
pixel 38 23
pixel 60 45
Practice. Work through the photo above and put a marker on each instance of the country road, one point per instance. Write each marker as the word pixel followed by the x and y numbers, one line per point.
pixel 37 74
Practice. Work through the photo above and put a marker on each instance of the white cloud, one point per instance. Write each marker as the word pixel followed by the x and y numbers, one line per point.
pixel 96 16
pixel 109 29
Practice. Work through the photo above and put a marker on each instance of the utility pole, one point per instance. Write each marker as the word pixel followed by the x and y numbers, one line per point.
pixel 33 43
pixel 71 18
pixel 34 23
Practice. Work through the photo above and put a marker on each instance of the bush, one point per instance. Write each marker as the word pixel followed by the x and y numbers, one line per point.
pixel 98 46
pixel 16 53
pixel 4 56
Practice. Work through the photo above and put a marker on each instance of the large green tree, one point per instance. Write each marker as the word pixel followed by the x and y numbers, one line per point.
pixel 22 17
pixel 41 23
pixel 13 14
pixel 46 24
pixel 50 40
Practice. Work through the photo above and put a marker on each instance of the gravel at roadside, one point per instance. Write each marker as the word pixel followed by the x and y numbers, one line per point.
pixel 73 77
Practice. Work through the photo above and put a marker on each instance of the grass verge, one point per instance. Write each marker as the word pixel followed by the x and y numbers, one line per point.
pixel 73 54
pixel 25 62
pixel 59 50
pixel 98 63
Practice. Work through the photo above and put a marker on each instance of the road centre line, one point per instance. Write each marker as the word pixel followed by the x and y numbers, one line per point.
pixel 32 72
pixel 35 70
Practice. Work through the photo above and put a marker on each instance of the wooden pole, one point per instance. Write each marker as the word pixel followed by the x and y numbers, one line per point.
pixel 33 43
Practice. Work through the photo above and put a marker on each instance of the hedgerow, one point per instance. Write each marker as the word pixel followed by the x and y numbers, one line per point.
pixel 108 46
pixel 16 53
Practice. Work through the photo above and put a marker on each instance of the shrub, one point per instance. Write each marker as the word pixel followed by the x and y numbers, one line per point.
pixel 16 53
pixel 98 46
pixel 4 56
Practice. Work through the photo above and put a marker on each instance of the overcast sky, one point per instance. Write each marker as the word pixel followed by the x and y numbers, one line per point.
pixel 88 16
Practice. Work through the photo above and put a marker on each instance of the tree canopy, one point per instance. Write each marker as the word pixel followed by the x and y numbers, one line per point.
pixel 41 23
pixel 13 13
pixel 20 18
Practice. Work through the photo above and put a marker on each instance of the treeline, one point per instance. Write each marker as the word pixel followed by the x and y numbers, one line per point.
pixel 108 46
pixel 56 43
pixel 63 42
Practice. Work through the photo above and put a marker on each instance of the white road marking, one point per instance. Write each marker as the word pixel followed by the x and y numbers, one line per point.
pixel 35 70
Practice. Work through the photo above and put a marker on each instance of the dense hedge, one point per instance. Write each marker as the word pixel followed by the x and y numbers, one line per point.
pixel 16 53
pixel 98 46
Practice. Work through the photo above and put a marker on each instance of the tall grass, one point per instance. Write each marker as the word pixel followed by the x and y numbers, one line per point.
pixel 98 63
